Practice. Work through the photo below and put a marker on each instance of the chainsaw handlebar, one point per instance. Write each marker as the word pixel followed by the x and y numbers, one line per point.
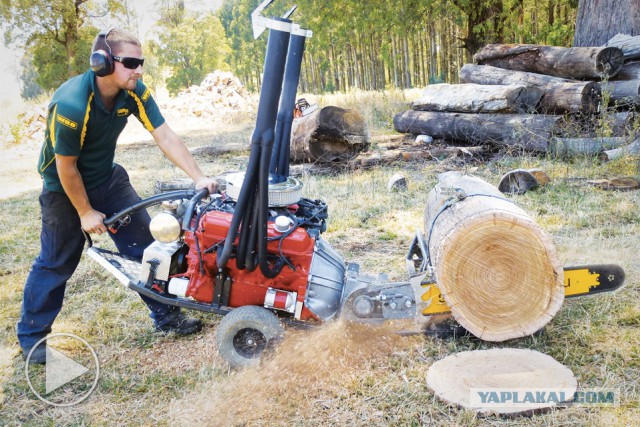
pixel 153 200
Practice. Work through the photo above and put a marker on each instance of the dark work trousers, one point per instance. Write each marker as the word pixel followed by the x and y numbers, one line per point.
pixel 61 246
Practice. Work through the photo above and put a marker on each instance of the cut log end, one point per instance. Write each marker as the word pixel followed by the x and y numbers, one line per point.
pixel 463 378
pixel 609 61
pixel 501 276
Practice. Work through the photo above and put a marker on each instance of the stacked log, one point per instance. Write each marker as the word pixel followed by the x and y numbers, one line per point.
pixel 528 131
pixel 560 95
pixel 572 62
pixel 473 98
pixel 492 104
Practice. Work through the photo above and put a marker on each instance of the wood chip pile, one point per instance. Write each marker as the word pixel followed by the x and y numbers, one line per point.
pixel 219 93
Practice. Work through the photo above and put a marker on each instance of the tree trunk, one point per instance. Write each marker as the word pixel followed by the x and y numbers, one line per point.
pixel 560 95
pixel 599 20
pixel 473 98
pixel 329 134
pixel 496 268
pixel 524 131
pixel 573 63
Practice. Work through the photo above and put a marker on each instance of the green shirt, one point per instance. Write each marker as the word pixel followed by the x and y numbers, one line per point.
pixel 78 124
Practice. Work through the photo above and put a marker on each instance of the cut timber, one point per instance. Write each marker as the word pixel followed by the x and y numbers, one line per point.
pixel 329 134
pixel 526 131
pixel 468 378
pixel 496 268
pixel 560 95
pixel 632 149
pixel 629 71
pixel 622 92
pixel 571 147
pixel 629 45
pixel 474 98
pixel 567 62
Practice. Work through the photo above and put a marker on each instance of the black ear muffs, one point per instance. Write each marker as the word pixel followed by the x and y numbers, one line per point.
pixel 101 60
pixel 101 63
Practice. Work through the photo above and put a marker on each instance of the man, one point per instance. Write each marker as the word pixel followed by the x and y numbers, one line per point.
pixel 82 184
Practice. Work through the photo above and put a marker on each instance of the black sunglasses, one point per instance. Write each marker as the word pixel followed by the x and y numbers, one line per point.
pixel 130 63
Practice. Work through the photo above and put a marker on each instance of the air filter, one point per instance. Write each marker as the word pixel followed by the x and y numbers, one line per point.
pixel 280 194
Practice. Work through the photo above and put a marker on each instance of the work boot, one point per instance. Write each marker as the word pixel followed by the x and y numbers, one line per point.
pixel 181 324
pixel 39 355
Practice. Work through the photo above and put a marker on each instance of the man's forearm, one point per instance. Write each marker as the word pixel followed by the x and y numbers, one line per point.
pixel 178 154
pixel 73 186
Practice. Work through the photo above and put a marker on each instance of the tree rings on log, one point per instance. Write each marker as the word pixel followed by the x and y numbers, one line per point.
pixel 496 268
pixel 506 381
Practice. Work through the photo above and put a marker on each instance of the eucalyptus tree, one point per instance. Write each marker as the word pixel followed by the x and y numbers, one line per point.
pixel 192 49
pixel 56 33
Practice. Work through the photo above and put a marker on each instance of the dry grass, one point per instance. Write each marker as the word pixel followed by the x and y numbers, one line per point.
pixel 334 375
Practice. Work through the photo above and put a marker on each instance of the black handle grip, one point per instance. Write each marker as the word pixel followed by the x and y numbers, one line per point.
pixel 153 200
pixel 188 214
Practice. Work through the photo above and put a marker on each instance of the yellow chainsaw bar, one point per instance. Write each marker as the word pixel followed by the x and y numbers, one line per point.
pixel 578 281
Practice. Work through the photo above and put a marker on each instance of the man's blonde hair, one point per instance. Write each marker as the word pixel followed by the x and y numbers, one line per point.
pixel 115 39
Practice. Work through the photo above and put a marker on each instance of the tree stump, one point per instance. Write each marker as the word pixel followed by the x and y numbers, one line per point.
pixel 329 134
pixel 496 268
pixel 487 381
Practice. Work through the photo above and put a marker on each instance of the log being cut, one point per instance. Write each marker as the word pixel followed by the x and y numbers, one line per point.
pixel 567 62
pixel 496 268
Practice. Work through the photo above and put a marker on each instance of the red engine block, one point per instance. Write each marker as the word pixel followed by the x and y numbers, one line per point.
pixel 248 287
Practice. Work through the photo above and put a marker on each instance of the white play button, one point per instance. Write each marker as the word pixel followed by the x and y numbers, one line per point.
pixel 70 374
pixel 61 370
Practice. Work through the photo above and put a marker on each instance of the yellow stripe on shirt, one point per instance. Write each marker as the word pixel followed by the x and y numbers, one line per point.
pixel 86 120
pixel 143 113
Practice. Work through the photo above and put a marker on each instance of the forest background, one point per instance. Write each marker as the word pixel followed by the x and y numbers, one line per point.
pixel 372 45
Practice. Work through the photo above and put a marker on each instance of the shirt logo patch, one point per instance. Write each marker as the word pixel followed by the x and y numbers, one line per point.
pixel 146 95
pixel 123 112
pixel 67 122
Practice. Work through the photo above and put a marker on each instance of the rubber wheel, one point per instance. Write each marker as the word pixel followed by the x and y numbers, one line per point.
pixel 245 333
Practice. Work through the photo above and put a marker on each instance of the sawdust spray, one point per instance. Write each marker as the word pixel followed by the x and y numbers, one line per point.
pixel 305 369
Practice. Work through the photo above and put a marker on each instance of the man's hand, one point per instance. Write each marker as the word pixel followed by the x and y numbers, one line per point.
pixel 208 183
pixel 175 150
pixel 92 221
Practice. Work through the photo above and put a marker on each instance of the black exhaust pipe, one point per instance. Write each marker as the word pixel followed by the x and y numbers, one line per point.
pixel 261 141
pixel 279 166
